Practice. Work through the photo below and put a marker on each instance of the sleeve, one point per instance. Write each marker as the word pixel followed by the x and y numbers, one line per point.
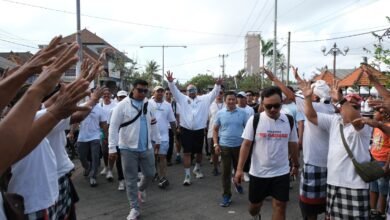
pixel 212 94
pixel 300 116
pixel 217 120
pixel 113 130
pixel 179 97
pixel 248 130
pixel 63 125
pixel 293 135
pixel 300 102
pixel 324 121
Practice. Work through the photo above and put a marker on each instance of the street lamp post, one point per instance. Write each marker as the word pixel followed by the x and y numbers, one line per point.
pixel 334 51
pixel 163 52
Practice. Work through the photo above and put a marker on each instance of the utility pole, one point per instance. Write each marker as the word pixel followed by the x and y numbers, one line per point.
pixel 275 35
pixel 223 64
pixel 334 51
pixel 78 39
pixel 163 51
pixel 288 57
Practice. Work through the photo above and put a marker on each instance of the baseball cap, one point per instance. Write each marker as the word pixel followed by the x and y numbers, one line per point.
pixel 241 94
pixel 158 88
pixel 121 93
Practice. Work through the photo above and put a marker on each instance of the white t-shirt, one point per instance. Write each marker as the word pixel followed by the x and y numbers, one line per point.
pixel 316 139
pixel 35 178
pixel 341 171
pixel 214 108
pixel 90 126
pixel 164 115
pixel 270 150
pixel 2 214
pixel 108 109
pixel 57 140
pixel 249 111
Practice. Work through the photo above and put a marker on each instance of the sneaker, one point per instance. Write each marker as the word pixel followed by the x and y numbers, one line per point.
pixel 257 217
pixel 226 201
pixel 246 177
pixel 187 180
pixel 92 182
pixel 374 214
pixel 142 196
pixel 211 160
pixel 121 186
pixel 198 173
pixel 109 176
pixel 178 159
pixel 133 215
pixel 215 172
pixel 163 183
pixel 104 171
pixel 238 187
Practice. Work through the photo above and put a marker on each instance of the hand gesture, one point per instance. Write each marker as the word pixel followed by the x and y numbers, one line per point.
pixel 307 90
pixel 169 76
pixel 296 75
pixel 97 93
pixel 94 71
pixel 51 74
pixel 68 98
pixel 371 122
pixel 294 172
pixel 217 150
pixel 269 74
pixel 334 91
pixel 238 176
pixel 7 72
pixel 219 81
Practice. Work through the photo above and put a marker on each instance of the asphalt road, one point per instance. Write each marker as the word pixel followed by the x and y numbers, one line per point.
pixel 200 201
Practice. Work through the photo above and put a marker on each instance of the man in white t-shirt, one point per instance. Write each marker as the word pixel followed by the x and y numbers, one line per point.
pixel 347 193
pixel 88 142
pixel 107 104
pixel 273 141
pixel 165 117
pixel 217 105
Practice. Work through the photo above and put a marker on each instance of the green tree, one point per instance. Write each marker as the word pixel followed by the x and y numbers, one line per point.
pixel 127 67
pixel 151 73
pixel 202 81
pixel 266 49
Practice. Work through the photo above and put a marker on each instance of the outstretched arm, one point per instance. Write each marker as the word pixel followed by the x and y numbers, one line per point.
pixel 179 97
pixel 309 111
pixel 289 94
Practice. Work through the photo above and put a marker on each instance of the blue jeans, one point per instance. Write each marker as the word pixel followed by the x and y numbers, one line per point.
pixel 380 185
pixel 131 160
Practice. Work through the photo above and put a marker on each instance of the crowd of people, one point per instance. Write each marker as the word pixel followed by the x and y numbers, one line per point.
pixel 259 141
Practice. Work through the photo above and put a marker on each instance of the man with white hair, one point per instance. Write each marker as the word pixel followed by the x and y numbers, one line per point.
pixel 193 121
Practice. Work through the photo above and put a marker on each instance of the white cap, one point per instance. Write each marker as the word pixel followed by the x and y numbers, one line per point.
pixel 243 94
pixel 321 89
pixel 122 93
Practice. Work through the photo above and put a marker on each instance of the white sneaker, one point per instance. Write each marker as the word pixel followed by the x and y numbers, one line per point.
pixel 142 196
pixel 109 175
pixel 121 186
pixel 198 173
pixel 246 177
pixel 104 171
pixel 187 180
pixel 133 215
pixel 92 182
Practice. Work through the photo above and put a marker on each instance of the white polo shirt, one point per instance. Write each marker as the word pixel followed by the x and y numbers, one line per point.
pixel 164 115
pixel 270 150
pixel 214 108
pixel 90 126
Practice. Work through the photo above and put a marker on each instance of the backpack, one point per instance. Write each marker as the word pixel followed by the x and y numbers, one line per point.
pixel 256 119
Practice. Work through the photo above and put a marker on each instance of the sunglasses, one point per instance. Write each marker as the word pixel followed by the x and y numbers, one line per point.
pixel 270 106
pixel 141 90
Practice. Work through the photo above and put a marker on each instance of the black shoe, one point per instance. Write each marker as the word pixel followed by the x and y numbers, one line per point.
pixel 164 183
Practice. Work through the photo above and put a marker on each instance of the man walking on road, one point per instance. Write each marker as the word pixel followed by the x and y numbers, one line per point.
pixel 274 138
pixel 194 113
pixel 137 128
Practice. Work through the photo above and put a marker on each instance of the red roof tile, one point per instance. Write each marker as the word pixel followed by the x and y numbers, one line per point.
pixel 327 76
pixel 358 78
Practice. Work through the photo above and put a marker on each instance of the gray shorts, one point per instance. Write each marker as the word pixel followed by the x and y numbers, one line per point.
pixel 164 146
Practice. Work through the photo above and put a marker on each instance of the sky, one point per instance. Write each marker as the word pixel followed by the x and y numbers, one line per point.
pixel 208 28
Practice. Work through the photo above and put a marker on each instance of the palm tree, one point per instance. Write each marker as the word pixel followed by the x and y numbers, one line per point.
pixel 266 49
pixel 151 72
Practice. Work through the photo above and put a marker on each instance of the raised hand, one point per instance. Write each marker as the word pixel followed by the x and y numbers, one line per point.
pixel 219 81
pixel 296 75
pixel 305 86
pixel 334 91
pixel 371 122
pixel 7 72
pixel 97 93
pixel 67 99
pixel 51 74
pixel 268 73
pixel 169 76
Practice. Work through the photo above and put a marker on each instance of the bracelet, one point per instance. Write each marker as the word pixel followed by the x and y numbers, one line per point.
pixel 215 145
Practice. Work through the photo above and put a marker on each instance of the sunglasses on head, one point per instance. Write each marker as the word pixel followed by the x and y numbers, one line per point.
pixel 141 90
pixel 270 106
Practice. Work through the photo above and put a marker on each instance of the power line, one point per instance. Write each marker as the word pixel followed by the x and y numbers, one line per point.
pixel 24 45
pixel 260 13
pixel 336 38
pixel 123 21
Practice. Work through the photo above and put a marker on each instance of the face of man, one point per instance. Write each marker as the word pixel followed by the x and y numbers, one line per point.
pixel 231 101
pixel 272 106
pixel 120 98
pixel 249 97
pixel 192 91
pixel 168 95
pixel 140 92
pixel 241 101
pixel 107 96
pixel 219 97
pixel 159 94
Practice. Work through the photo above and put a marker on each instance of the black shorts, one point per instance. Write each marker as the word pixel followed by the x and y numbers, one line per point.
pixel 192 140
pixel 311 209
pixel 277 187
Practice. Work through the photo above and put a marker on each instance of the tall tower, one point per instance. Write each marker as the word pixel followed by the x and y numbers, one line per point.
pixel 252 52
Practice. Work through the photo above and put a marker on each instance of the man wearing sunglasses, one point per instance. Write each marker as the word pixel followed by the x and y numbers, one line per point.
pixel 133 128
pixel 194 112
pixel 273 141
